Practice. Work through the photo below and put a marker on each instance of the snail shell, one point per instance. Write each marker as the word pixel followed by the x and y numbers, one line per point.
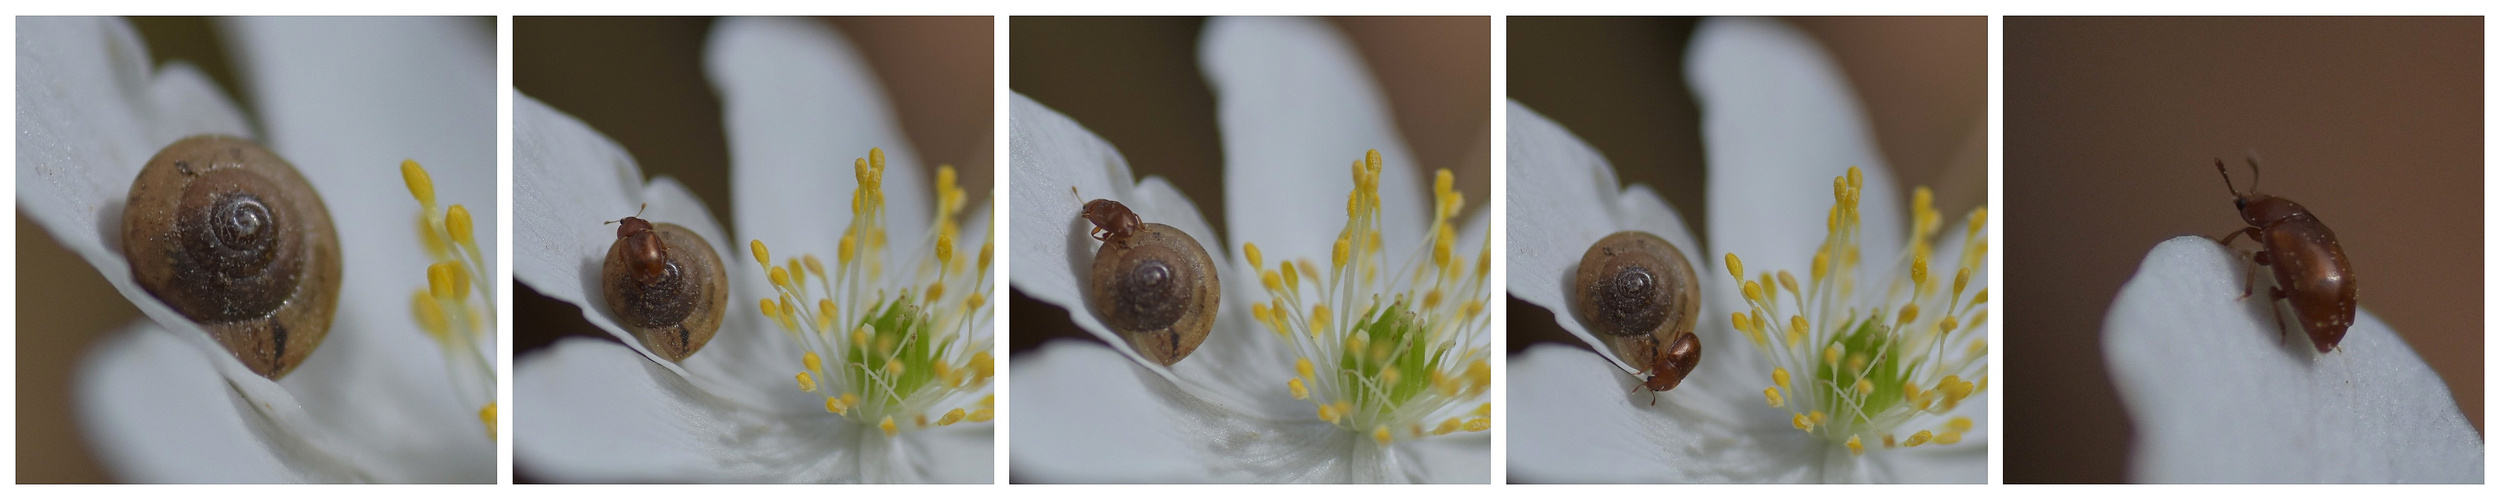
pixel 231 236
pixel 1157 287
pixel 1632 286
pixel 666 285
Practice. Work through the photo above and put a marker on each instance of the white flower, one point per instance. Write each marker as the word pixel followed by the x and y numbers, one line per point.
pixel 1278 391
pixel 2219 394
pixel 346 101
pixel 748 407
pixel 1780 128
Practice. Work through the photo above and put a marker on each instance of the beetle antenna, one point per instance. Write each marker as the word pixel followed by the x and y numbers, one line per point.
pixel 637 213
pixel 2226 177
pixel 2259 173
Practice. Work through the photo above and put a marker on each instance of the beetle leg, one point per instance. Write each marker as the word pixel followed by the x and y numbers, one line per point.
pixel 2281 336
pixel 2250 231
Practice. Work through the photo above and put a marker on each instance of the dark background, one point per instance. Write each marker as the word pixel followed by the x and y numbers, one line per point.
pixel 2111 128
pixel 1135 82
pixel 1618 84
pixel 640 82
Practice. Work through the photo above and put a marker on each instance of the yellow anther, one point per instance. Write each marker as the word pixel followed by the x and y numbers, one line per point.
pixel 1918 271
pixel 1353 343
pixel 887 425
pixel 780 277
pixel 438 280
pixel 974 300
pixel 1948 324
pixel 1432 298
pixel 945 248
pixel 1328 413
pixel 1319 318
pixel 1302 366
pixel 1260 312
pixel 936 290
pixel 1796 327
pixel 1735 268
pixel 1822 264
pixel 1753 292
pixel 1742 324
pixel 824 314
pixel 1831 355
pixel 806 383
pixel 848 248
pixel 1799 421
pixel 1273 282
pixel 1299 392
pixel 1978 348
pixel 1779 377
pixel 834 406
pixel 985 255
pixel 1857 362
pixel 1889 441
pixel 457 221
pixel 1958 424
pixel 983 366
pixel 1252 250
pixel 1909 313
pixel 951 417
pixel 1480 373
pixel 770 308
pixel 850 400
pixel 486 415
pixel 1788 282
pixel 1910 390
pixel 1856 449
pixel 1918 439
pixel 1818 417
pixel 1293 279
pixel 1479 425
pixel 1864 386
pixel 1449 426
pixel 1337 253
pixel 1389 375
pixel 980 415
pixel 894 367
pixel 429 314
pixel 1948 437
pixel 1771 396
pixel 1960 279
pixel 798 275
pixel 1471 309
pixel 419 184
pixel 763 255
pixel 1380 434
pixel 788 310
pixel 817 267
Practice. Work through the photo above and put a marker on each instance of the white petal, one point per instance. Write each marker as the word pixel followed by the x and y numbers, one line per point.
pixel 1455 459
pixel 1779 122
pixel 1088 414
pixel 158 413
pixel 1297 108
pixel 567 182
pixel 799 106
pixel 1563 198
pixel 2217 395
pixel 590 411
pixel 965 453
pixel 1573 419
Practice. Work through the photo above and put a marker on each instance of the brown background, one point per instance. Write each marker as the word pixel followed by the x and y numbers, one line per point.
pixel 1618 84
pixel 1135 82
pixel 640 81
pixel 2111 128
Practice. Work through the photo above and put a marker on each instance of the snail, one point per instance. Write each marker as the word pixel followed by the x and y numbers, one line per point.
pixel 666 285
pixel 1151 282
pixel 232 237
pixel 1640 295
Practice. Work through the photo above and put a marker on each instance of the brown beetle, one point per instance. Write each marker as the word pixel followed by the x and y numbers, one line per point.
pixel 665 284
pixel 2305 258
pixel 1669 363
pixel 1150 282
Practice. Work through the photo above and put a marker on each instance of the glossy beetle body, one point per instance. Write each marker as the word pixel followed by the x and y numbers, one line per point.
pixel 2306 259
pixel 1670 362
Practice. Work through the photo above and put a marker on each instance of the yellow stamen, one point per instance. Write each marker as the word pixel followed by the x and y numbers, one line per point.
pixel 1918 439
pixel 1252 250
pixel 1298 391
pixel 457 221
pixel 486 415
pixel 419 184
pixel 887 425
pixel 806 383
pixel 1856 449
pixel 1771 395
pixel 1380 434
pixel 952 416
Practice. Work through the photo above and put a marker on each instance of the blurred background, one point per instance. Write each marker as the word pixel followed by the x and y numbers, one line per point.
pixel 64 305
pixel 1618 84
pixel 1135 82
pixel 640 82
pixel 2111 129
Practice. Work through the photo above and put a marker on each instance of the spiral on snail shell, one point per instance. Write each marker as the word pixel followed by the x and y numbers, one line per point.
pixel 666 285
pixel 1151 282
pixel 231 236
pixel 1639 294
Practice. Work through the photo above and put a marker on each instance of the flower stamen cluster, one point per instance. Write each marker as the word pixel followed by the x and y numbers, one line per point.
pixel 454 307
